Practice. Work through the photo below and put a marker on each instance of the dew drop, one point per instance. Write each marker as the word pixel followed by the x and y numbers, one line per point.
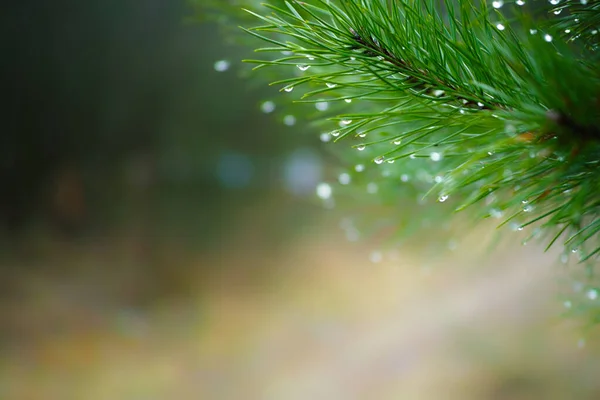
pixel 397 141
pixel 325 137
pixel 345 122
pixel 497 3
pixel 584 2
pixel 372 188
pixel 554 2
pixel 330 85
pixel 520 2
pixel 391 162
pixel 288 88
pixel 404 178
pixel 267 107
pixel 375 256
pixel 495 213
pixel 322 106
pixel 222 65
pixel 443 198
pixel 303 67
pixel 335 133
pixel 500 27
pixel 547 38
pixel 532 31
pixel 592 294
pixel 480 104
pixel 360 147
pixel 379 160
pixel 520 228
pixel 359 167
pixel 556 12
pixel 289 120
pixel 567 304
pixel 344 178
pixel 361 134
pixel 438 93
pixel 348 100
pixel 435 156
pixel 311 58
pixel 324 190
pixel 528 208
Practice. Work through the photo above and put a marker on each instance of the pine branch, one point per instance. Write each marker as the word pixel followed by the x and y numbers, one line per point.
pixel 505 112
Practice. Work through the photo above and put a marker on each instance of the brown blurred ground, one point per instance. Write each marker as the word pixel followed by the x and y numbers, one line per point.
pixel 313 319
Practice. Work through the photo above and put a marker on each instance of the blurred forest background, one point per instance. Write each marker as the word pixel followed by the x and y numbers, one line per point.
pixel 160 239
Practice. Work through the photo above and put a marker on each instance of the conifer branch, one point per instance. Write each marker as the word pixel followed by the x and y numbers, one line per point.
pixel 507 111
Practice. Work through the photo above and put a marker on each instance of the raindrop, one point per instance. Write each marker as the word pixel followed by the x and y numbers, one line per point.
pixel 554 2
pixel 435 156
pixel 547 38
pixel 524 201
pixel 345 122
pixel 222 65
pixel 325 137
pixel 379 160
pixel 289 120
pixel 303 67
pixel 520 2
pixel 567 31
pixel 324 190
pixel 443 198
pixel 556 12
pixel 322 106
pixel 391 162
pixel 497 3
pixel 438 179
pixel 348 100
pixel 288 88
pixel 360 147
pixel 330 85
pixel 335 133
pixel 574 250
pixel 438 93
pixel 344 178
pixel 372 188
pixel 500 27
pixel 397 141
pixel 592 294
pixel 528 208
pixel 359 167
pixel 361 134
pixel 480 104
pixel 311 58
pixel 412 156
pixel 533 31
pixel 520 228
pixel 404 178
pixel 267 107
pixel 584 2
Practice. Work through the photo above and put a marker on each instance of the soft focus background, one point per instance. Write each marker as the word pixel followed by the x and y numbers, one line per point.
pixel 161 239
